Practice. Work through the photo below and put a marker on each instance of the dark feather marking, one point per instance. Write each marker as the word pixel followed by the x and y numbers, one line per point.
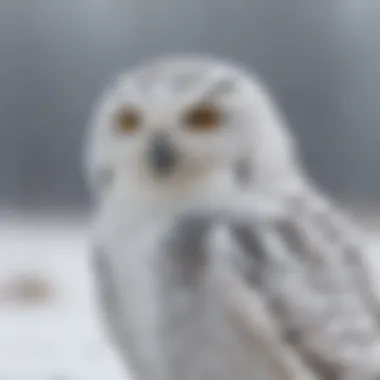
pixel 243 172
pixel 220 88
pixel 295 338
pixel 296 238
pixel 104 281
pixel 292 235
pixel 325 370
pixel 249 238
pixel 252 245
pixel 186 248
pixel 322 220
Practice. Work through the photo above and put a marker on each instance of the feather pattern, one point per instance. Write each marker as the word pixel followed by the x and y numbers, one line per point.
pixel 323 307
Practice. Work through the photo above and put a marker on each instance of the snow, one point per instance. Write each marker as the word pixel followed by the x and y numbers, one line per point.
pixel 63 339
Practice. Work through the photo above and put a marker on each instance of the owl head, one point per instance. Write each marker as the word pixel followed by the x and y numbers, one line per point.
pixel 181 118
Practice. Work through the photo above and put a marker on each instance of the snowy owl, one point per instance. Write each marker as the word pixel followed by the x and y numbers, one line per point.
pixel 214 255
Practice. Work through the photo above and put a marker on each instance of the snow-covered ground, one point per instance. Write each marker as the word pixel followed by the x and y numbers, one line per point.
pixel 61 339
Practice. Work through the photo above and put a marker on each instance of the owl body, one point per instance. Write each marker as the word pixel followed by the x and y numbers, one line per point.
pixel 172 315
pixel 209 236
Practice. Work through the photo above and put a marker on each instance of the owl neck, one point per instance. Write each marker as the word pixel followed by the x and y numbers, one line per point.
pixel 159 198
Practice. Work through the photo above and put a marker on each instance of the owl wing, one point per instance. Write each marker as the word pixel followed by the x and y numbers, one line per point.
pixel 334 234
pixel 106 291
pixel 322 310
pixel 109 302
pixel 190 270
pixel 260 333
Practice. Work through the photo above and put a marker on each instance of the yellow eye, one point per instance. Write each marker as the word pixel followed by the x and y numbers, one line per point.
pixel 128 121
pixel 204 117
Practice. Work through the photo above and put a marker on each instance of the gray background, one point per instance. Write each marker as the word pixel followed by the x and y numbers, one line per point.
pixel 320 57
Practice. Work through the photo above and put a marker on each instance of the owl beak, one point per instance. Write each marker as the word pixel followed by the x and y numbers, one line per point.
pixel 162 156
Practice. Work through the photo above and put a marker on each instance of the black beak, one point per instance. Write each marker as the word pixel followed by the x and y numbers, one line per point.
pixel 162 155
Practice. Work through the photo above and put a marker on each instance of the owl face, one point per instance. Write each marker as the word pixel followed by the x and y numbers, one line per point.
pixel 175 118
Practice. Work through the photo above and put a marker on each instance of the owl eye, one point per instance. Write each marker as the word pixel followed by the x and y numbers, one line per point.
pixel 204 118
pixel 128 121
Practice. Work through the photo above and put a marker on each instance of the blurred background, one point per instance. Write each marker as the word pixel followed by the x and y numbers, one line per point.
pixel 321 59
